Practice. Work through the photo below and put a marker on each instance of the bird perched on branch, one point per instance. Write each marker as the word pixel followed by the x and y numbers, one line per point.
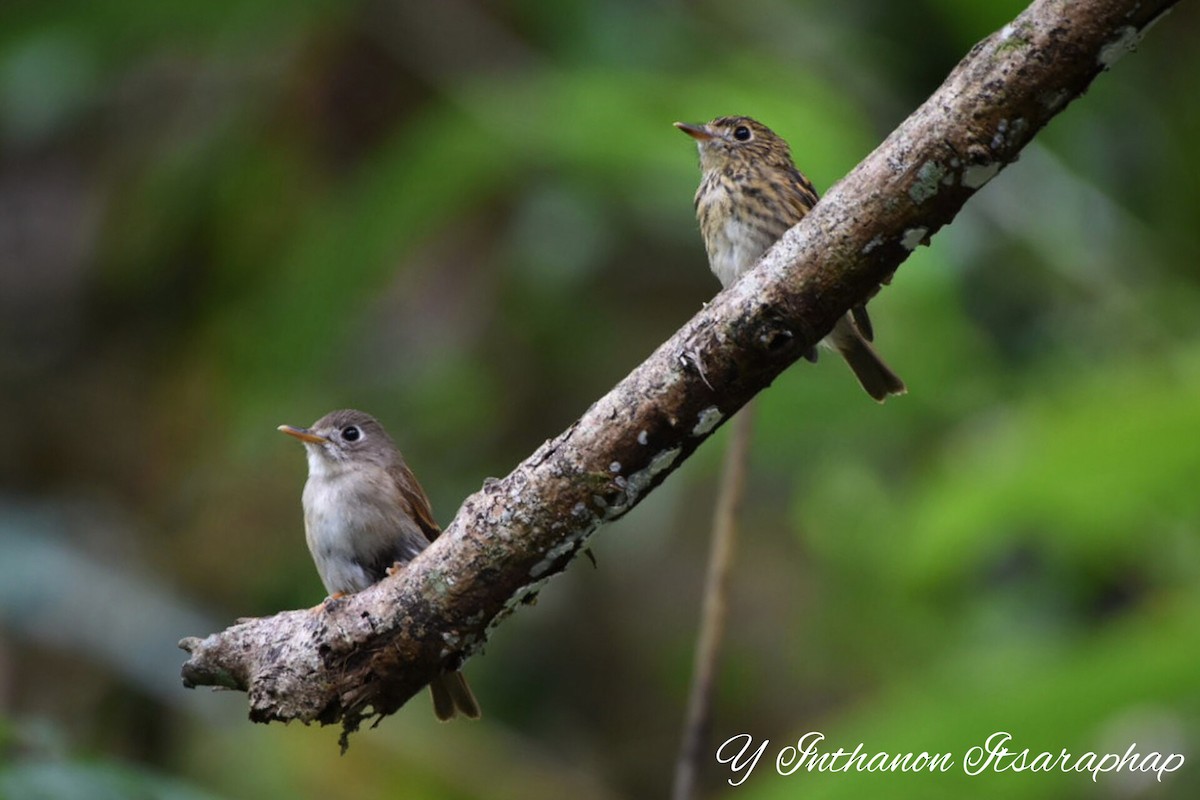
pixel 750 194
pixel 364 516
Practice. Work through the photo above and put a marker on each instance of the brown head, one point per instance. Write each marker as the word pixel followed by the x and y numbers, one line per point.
pixel 345 436
pixel 734 142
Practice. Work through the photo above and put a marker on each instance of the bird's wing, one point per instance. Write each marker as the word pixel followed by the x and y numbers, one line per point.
pixel 803 195
pixel 416 502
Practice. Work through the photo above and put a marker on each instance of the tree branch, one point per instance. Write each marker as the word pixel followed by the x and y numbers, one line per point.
pixel 374 650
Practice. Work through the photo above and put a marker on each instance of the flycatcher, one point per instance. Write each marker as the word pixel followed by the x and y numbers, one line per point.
pixel 365 514
pixel 750 194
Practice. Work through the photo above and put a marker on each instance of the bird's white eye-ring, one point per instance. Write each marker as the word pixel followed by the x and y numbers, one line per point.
pixel 351 433
pixel 741 133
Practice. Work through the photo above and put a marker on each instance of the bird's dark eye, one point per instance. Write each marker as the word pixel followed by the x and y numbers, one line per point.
pixel 741 133
pixel 351 433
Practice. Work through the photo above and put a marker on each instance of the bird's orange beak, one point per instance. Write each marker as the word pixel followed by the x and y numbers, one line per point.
pixel 303 434
pixel 700 133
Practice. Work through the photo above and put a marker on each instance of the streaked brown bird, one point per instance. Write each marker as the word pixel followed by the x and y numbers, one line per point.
pixel 750 194
pixel 364 516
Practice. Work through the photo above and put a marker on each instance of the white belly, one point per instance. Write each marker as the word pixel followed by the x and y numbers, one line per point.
pixel 737 248
pixel 734 246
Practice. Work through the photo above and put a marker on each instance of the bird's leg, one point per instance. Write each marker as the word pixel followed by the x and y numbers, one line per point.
pixel 328 602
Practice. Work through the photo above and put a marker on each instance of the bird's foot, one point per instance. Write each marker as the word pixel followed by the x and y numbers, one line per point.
pixel 328 603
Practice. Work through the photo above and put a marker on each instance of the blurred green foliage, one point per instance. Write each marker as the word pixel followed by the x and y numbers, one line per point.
pixel 471 219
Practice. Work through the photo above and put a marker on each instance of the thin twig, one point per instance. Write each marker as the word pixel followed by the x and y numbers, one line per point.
pixel 698 722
